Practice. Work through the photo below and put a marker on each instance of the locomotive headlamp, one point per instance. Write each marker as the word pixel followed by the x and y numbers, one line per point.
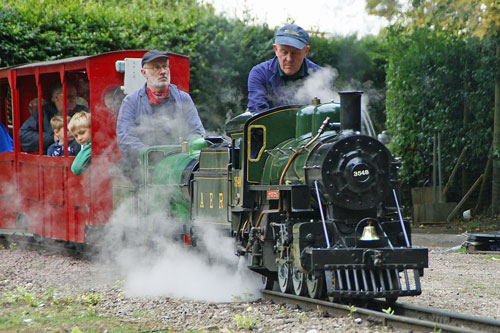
pixel 369 233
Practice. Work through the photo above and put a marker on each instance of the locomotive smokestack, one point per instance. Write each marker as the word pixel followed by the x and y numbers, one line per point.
pixel 350 110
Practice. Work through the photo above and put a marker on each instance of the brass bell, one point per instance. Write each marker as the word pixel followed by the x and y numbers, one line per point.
pixel 369 233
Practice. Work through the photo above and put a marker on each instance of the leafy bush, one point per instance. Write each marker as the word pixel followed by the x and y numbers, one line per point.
pixel 222 50
pixel 434 80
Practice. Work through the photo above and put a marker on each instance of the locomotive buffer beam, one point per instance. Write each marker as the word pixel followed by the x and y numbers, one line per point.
pixel 365 273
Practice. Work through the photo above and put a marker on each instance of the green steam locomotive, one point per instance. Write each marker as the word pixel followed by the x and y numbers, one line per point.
pixel 311 200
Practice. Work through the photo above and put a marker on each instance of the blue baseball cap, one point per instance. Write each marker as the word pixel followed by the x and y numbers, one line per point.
pixel 292 35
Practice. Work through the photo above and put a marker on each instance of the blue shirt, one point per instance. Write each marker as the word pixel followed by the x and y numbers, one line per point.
pixel 266 88
pixel 56 149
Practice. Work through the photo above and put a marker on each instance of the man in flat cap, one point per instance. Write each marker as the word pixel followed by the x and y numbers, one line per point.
pixel 276 81
pixel 157 114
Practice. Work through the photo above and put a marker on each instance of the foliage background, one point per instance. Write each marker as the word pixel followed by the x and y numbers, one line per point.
pixel 432 78
pixel 222 50
pixel 434 81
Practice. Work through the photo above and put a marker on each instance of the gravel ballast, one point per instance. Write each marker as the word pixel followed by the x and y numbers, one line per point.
pixel 176 297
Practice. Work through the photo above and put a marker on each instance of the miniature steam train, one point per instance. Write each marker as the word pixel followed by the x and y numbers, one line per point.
pixel 312 202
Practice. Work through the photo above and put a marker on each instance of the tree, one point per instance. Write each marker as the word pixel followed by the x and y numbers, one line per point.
pixel 462 18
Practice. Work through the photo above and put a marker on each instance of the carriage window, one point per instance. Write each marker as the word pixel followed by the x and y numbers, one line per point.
pixel 257 140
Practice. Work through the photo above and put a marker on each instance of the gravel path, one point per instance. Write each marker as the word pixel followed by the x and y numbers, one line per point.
pixel 454 281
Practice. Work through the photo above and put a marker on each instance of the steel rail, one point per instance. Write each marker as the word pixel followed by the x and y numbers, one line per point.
pixel 401 316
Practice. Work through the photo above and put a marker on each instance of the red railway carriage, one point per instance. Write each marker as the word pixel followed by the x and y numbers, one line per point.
pixel 40 193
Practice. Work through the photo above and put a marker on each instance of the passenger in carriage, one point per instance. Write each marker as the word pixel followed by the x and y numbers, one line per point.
pixel 57 148
pixel 275 82
pixel 79 126
pixel 28 133
pixel 157 114
pixel 6 142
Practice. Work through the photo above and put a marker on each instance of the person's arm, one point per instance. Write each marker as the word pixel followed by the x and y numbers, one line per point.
pixel 82 160
pixel 191 116
pixel 128 142
pixel 28 134
pixel 257 90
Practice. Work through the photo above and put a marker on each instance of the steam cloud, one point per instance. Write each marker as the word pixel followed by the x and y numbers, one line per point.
pixel 153 261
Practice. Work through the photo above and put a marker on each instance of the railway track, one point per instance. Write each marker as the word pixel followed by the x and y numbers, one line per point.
pixel 23 239
pixel 397 315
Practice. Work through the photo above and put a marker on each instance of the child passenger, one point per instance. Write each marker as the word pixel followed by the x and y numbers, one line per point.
pixel 79 126
pixel 57 148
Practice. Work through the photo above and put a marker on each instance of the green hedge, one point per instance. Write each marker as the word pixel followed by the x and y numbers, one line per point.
pixel 431 80
pixel 222 51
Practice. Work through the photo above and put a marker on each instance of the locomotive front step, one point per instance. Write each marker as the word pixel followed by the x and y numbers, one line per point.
pixel 373 283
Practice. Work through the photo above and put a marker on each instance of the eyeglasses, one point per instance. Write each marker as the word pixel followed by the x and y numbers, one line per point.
pixel 158 68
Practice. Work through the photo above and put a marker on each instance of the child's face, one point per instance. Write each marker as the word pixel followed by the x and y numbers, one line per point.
pixel 82 135
pixel 59 135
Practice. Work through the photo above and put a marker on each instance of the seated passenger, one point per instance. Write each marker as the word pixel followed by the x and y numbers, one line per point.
pixel 6 142
pixel 57 148
pixel 275 82
pixel 79 126
pixel 28 133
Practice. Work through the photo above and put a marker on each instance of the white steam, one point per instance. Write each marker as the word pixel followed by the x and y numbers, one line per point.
pixel 318 84
pixel 152 259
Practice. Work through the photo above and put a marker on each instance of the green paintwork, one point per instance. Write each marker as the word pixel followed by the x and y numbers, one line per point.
pixel 304 120
pixel 322 111
pixel 279 125
pixel 210 187
pixel 275 164
pixel 164 182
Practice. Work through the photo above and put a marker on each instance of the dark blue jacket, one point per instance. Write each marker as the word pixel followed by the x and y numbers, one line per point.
pixel 265 86
pixel 57 150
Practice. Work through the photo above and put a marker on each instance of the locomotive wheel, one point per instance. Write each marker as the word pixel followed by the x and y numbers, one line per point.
pixel 284 277
pixel 315 286
pixel 299 282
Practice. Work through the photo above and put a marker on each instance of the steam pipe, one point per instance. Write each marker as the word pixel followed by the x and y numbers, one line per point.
pixel 350 110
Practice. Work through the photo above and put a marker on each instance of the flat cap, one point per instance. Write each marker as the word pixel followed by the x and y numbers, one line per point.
pixel 152 55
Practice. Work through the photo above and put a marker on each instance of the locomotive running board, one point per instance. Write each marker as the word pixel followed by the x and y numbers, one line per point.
pixel 318 259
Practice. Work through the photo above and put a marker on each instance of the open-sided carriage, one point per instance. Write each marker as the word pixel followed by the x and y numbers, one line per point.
pixel 39 194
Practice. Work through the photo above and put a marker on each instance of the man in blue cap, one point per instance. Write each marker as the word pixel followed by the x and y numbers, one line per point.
pixel 275 82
